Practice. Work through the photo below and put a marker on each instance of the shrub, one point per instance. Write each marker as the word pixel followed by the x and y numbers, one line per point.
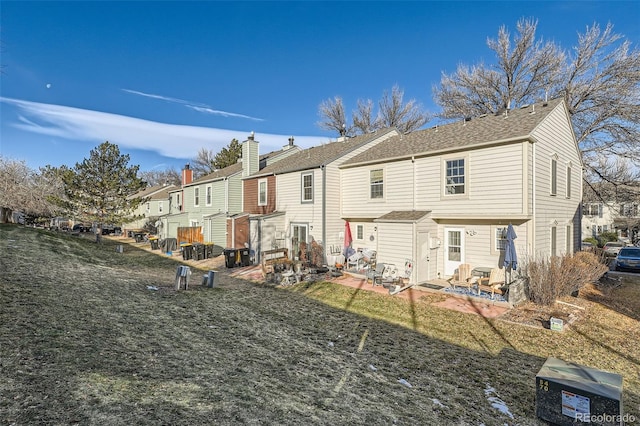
pixel 605 237
pixel 558 276
pixel 592 240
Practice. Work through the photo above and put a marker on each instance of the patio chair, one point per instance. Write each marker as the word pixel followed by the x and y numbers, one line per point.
pixel 462 277
pixel 495 283
pixel 375 275
pixel 355 260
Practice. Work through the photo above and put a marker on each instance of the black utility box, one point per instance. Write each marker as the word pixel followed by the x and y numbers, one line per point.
pixel 571 394
pixel 230 257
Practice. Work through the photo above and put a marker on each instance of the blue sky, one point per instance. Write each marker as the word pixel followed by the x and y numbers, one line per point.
pixel 164 79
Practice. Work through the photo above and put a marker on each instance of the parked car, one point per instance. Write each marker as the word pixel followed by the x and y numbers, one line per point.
pixel 79 227
pixel 628 259
pixel 612 248
pixel 587 246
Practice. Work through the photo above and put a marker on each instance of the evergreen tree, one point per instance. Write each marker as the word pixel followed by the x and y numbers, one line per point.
pixel 99 188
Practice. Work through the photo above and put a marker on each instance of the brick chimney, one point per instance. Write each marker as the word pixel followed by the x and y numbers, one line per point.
pixel 187 175
pixel 250 156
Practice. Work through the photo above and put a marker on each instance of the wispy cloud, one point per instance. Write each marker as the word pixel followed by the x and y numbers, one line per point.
pixel 196 106
pixel 171 140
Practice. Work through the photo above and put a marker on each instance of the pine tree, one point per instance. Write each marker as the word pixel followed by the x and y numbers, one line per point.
pixel 99 188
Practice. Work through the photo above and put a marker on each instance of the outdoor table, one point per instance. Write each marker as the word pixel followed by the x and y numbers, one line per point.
pixel 481 271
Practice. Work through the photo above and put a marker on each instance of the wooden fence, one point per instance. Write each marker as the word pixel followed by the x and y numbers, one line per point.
pixel 190 234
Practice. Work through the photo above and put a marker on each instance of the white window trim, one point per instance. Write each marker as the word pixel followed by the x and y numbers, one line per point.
pixel 208 197
pixel 467 182
pixel 569 178
pixel 266 192
pixel 382 198
pixel 302 176
pixel 553 175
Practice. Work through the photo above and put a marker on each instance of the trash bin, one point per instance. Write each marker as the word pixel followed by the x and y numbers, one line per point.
pixel 230 257
pixel 187 251
pixel 245 258
pixel 208 250
pixel 139 237
pixel 198 251
pixel 154 243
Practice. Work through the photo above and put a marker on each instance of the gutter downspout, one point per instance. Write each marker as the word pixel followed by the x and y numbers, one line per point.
pixel 415 189
pixel 324 212
pixel 533 201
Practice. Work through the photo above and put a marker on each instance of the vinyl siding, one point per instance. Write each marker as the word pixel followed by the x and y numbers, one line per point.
pixel 494 182
pixel 554 138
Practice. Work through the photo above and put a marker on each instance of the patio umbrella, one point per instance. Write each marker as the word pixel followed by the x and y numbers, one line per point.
pixel 347 251
pixel 510 256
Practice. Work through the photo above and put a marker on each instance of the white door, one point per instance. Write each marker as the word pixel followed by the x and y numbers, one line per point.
pixel 422 263
pixel 453 249
pixel 299 242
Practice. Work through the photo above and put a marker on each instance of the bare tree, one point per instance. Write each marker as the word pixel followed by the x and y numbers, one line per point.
pixel 600 81
pixel 363 121
pixel 392 112
pixel 203 164
pixel 331 112
pixel 27 191
pixel 161 177
pixel 406 117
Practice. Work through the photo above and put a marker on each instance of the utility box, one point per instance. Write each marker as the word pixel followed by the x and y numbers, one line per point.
pixel 210 279
pixel 571 394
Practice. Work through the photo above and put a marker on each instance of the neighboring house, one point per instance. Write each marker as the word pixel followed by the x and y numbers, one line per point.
pixel 621 218
pixel 296 202
pixel 155 205
pixel 444 196
pixel 207 203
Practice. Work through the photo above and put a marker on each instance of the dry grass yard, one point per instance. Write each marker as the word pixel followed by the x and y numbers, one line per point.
pixel 90 336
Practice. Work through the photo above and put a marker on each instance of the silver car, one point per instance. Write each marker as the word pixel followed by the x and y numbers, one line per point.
pixel 612 248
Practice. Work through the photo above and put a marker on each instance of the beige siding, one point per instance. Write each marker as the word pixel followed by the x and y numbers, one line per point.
pixel 554 138
pixel 495 186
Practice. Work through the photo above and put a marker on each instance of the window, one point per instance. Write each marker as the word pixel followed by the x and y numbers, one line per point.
pixel 359 232
pixel 307 187
pixel 160 206
pixel 148 207
pixel 208 195
pixel 376 177
pixel 554 176
pixel 196 197
pixel 568 239
pixel 568 190
pixel 628 210
pixel 455 182
pixel 262 192
pixel 554 241
pixel 501 237
pixel 178 202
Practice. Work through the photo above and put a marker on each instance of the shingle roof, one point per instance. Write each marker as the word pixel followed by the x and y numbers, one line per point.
pixel 515 124
pixel 318 155
pixel 152 190
pixel 233 169
pixel 403 216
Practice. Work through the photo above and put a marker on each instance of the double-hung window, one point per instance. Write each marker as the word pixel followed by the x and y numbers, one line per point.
pixel 307 187
pixel 554 176
pixel 160 206
pixel 568 190
pixel 262 192
pixel 376 178
pixel 455 177
pixel 196 197
pixel 208 195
